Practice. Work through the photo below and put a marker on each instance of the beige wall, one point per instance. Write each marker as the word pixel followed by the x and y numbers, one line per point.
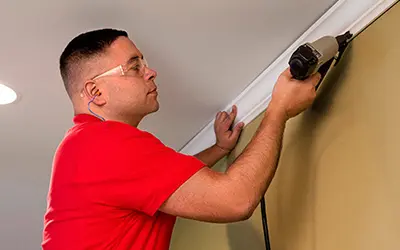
pixel 338 183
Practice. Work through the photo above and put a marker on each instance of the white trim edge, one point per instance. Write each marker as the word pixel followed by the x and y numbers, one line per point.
pixel 345 15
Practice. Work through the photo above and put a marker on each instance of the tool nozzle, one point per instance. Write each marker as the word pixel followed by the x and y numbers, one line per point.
pixel 343 40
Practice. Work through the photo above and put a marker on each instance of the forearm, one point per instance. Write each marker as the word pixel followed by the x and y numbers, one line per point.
pixel 233 195
pixel 254 169
pixel 211 155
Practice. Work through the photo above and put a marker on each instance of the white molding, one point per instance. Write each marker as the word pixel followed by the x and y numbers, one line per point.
pixel 343 16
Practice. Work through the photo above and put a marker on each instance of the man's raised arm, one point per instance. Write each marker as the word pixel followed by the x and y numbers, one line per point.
pixel 233 196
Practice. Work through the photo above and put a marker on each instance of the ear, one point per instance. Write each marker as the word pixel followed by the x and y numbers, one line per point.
pixel 91 91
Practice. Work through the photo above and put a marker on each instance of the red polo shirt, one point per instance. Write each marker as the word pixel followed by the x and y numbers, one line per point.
pixel 108 181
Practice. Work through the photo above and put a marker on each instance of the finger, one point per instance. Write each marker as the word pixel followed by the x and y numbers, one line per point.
pixel 314 79
pixel 223 116
pixel 233 113
pixel 218 115
pixel 237 130
pixel 287 73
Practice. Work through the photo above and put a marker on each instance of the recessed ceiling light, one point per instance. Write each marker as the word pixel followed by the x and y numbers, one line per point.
pixel 7 95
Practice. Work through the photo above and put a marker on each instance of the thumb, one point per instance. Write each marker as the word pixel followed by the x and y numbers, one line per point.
pixel 238 128
pixel 286 74
pixel 314 79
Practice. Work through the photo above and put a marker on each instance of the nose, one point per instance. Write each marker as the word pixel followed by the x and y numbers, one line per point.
pixel 150 74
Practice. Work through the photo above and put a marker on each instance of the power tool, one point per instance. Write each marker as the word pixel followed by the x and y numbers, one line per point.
pixel 307 60
pixel 318 56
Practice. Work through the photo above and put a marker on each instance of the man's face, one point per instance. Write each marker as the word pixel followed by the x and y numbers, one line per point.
pixel 133 93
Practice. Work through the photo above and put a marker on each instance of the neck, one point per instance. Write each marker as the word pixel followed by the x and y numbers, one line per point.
pixel 132 120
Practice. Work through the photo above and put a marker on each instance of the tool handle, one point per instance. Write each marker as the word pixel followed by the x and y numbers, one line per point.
pixel 323 70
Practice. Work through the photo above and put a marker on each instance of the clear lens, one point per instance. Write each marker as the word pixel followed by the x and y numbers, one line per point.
pixel 137 69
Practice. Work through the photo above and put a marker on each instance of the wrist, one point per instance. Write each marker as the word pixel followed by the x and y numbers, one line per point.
pixel 276 113
pixel 222 149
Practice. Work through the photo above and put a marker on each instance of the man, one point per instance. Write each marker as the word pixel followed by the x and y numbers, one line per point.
pixel 114 186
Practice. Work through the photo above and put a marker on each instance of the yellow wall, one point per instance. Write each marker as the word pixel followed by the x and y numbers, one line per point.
pixel 338 182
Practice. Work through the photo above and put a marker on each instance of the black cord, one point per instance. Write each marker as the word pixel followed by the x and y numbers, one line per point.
pixel 323 70
pixel 265 224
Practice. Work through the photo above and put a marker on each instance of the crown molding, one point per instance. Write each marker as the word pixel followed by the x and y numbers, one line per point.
pixel 345 15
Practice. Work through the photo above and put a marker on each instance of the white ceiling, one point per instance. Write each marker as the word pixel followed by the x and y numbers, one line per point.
pixel 206 52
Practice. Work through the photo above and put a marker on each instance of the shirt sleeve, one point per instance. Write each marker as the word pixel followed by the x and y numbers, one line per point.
pixel 141 173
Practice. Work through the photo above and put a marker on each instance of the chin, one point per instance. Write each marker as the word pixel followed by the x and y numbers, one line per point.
pixel 150 108
pixel 155 108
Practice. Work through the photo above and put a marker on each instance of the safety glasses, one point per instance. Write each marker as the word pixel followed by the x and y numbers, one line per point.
pixel 135 68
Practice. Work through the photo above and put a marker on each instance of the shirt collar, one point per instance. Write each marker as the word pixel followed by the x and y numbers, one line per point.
pixel 84 118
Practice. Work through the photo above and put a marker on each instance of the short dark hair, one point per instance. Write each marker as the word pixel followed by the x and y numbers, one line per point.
pixel 83 47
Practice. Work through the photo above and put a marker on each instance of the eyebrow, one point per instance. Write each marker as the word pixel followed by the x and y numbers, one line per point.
pixel 133 59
